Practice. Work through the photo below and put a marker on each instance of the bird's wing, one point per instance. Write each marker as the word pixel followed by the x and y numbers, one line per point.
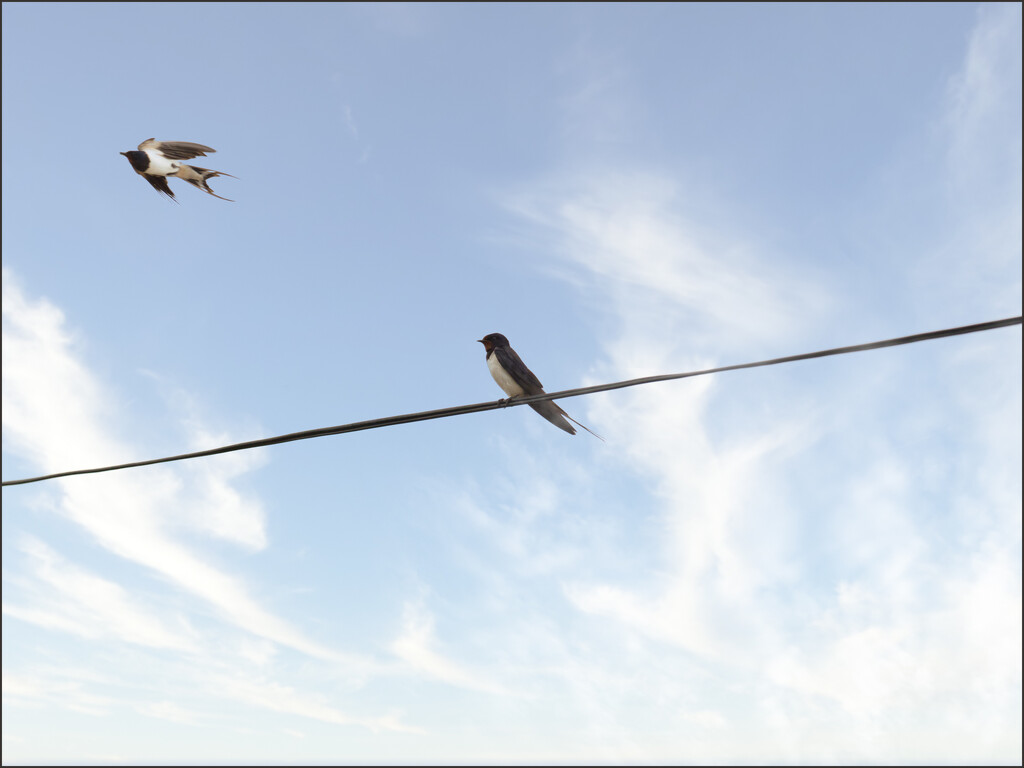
pixel 159 184
pixel 517 369
pixel 176 150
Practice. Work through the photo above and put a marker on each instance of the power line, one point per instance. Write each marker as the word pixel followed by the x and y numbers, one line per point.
pixel 441 413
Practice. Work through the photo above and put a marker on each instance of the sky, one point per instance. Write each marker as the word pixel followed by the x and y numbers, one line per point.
pixel 811 563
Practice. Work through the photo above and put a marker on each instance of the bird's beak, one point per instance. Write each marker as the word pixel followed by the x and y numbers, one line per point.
pixel 125 154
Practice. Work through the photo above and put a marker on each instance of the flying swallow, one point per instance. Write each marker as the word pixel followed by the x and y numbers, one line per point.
pixel 512 375
pixel 156 160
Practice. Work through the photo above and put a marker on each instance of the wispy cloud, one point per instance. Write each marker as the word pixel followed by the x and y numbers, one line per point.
pixel 416 646
pixel 133 515
pixel 285 698
pixel 65 688
pixel 60 595
pixel 624 235
pixel 350 121
pixel 776 569
pixel 679 295
pixel 168 710
pixel 984 104
pixel 56 415
pixel 977 260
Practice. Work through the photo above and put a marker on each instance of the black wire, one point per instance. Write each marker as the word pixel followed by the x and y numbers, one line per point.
pixel 440 413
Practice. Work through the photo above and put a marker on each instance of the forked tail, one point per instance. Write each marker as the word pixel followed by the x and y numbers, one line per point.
pixel 197 177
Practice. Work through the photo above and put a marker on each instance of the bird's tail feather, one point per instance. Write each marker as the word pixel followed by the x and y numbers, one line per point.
pixel 554 413
pixel 197 177
pixel 570 418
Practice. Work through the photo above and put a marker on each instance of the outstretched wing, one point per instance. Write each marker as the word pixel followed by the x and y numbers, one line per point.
pixel 176 150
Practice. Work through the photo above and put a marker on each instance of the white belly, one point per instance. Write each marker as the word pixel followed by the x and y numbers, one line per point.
pixel 161 166
pixel 506 382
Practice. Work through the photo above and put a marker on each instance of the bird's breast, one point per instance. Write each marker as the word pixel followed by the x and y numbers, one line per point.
pixel 161 166
pixel 508 385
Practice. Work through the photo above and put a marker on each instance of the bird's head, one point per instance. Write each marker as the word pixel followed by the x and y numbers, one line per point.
pixel 492 340
pixel 139 160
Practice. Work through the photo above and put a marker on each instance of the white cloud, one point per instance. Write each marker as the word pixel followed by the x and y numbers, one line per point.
pixel 65 688
pixel 350 121
pixel 56 413
pixel 415 646
pixel 62 596
pixel 854 561
pixel 168 710
pixel 947 670
pixel 37 369
pixel 976 264
pixel 284 698
pixel 625 237
pixel 708 718
pixel 732 580
pixel 674 287
pixel 984 104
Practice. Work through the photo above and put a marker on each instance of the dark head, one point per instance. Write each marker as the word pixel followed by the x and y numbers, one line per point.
pixel 139 160
pixel 492 340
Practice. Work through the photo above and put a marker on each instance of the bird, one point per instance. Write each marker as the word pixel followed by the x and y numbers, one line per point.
pixel 512 375
pixel 156 160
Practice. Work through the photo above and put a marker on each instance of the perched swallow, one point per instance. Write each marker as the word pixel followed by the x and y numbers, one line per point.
pixel 512 375
pixel 156 160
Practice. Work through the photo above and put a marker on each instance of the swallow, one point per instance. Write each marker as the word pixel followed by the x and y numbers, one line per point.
pixel 512 375
pixel 156 160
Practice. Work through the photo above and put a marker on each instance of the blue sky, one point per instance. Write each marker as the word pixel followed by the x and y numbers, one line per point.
pixel 818 562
